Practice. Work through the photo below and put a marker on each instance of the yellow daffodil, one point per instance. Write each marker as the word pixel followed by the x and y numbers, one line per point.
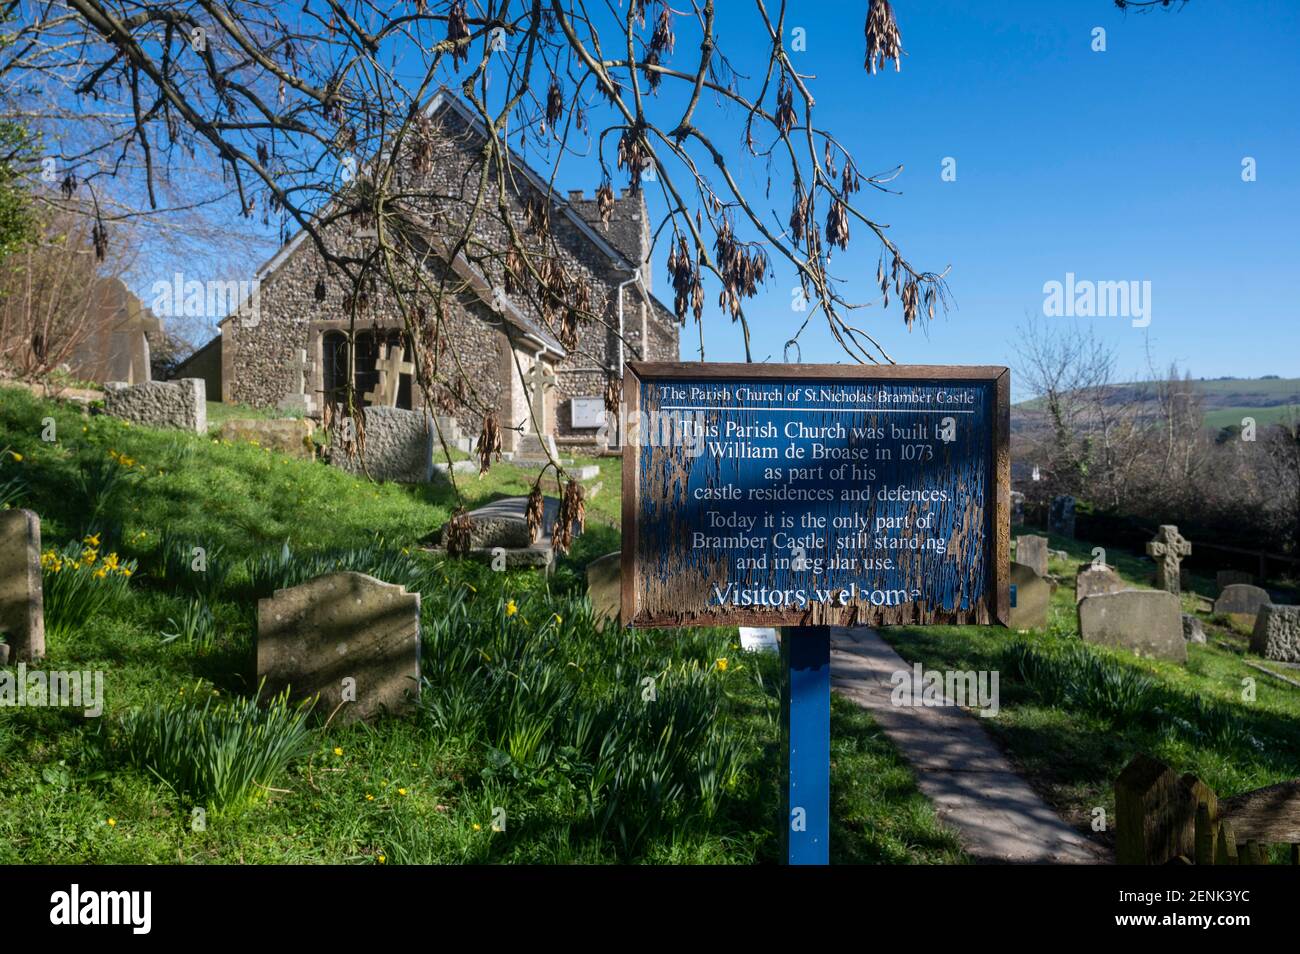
pixel 16 456
pixel 382 859
pixel 478 827
pixel 401 791
pixel 722 664
pixel 338 751
pixel 369 797
pixel 112 823
pixel 511 608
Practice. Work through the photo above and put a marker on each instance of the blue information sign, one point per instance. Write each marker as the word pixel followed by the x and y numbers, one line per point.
pixel 815 495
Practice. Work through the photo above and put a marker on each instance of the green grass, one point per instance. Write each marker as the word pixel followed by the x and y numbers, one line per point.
pixel 1264 416
pixel 1073 727
pixel 539 713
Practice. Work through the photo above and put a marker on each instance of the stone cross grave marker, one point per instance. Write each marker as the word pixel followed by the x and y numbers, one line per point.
pixel 391 367
pixel 22 617
pixel 1168 549
pixel 540 379
pixel 298 400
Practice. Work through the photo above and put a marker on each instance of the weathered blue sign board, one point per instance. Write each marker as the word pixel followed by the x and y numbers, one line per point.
pixel 813 495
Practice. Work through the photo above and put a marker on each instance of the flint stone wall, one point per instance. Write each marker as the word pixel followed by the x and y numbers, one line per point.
pixel 181 404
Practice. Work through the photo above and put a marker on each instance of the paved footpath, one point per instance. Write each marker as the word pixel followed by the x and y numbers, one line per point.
pixel 973 787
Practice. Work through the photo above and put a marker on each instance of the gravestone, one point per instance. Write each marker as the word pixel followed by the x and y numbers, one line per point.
pixel 1033 594
pixel 1226 578
pixel 1060 516
pixel 540 379
pixel 1095 578
pixel 1031 550
pixel 1168 549
pixel 1149 622
pixel 503 525
pixel 290 436
pixel 22 608
pixel 351 638
pixel 298 401
pixel 1193 631
pixel 181 404
pixel 1277 633
pixel 1017 509
pixel 1241 602
pixel 388 385
pixel 604 587
pixel 398 447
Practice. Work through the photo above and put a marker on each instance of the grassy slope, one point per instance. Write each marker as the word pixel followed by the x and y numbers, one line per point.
pixel 1073 758
pixel 60 784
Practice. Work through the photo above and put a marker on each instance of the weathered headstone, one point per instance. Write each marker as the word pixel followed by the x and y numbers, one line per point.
pixel 1240 602
pixel 1226 578
pixel 348 637
pixel 398 447
pixel 1029 607
pixel 1277 633
pixel 298 401
pixel 540 379
pixel 1060 516
pixel 181 404
pixel 604 577
pixel 499 531
pixel 1095 578
pixel 22 608
pixel 1031 550
pixel 1017 509
pixel 1149 622
pixel 1168 549
pixel 290 436
pixel 1193 631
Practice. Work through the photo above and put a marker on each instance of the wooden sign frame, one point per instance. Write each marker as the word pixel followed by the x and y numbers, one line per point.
pixel 993 606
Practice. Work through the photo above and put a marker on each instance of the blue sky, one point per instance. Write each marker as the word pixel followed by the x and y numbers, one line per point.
pixel 1115 165
pixel 1122 165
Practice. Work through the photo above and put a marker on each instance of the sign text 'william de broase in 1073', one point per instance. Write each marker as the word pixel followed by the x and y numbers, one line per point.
pixel 815 495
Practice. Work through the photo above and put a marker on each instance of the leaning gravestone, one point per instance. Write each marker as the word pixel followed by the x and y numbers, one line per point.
pixel 499 530
pixel 1277 633
pixel 22 616
pixel 1095 578
pixel 604 586
pixel 1033 594
pixel 1031 550
pixel 181 404
pixel 1060 516
pixel 347 637
pixel 398 447
pixel 1241 604
pixel 1149 622
pixel 1168 549
pixel 1226 578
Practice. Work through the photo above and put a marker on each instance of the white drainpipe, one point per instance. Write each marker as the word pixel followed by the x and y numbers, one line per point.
pixel 618 368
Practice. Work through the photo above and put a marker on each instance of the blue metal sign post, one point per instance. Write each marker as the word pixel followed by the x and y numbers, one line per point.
pixel 806 744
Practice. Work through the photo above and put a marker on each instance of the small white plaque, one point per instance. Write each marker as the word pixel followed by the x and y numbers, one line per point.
pixel 587 411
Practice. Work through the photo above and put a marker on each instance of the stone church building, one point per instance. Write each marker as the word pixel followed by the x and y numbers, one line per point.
pixel 492 336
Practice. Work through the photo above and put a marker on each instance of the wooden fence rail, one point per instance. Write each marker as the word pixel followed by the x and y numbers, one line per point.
pixel 1164 818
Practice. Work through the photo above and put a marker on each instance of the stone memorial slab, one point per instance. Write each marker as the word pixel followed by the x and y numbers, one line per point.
pixel 348 637
pixel 503 525
pixel 1148 622
pixel 288 436
pixel 1060 516
pixel 398 447
pixel 181 404
pixel 22 610
pixel 1033 596
pixel 1193 631
pixel 815 495
pixel 1241 602
pixel 1031 550
pixel 1094 578
pixel 1277 633
pixel 604 587
pixel 1168 549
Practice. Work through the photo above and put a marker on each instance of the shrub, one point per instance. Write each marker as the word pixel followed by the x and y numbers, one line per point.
pixel 221 753
pixel 78 583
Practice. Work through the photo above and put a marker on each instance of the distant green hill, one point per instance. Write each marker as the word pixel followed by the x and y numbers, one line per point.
pixel 1226 402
